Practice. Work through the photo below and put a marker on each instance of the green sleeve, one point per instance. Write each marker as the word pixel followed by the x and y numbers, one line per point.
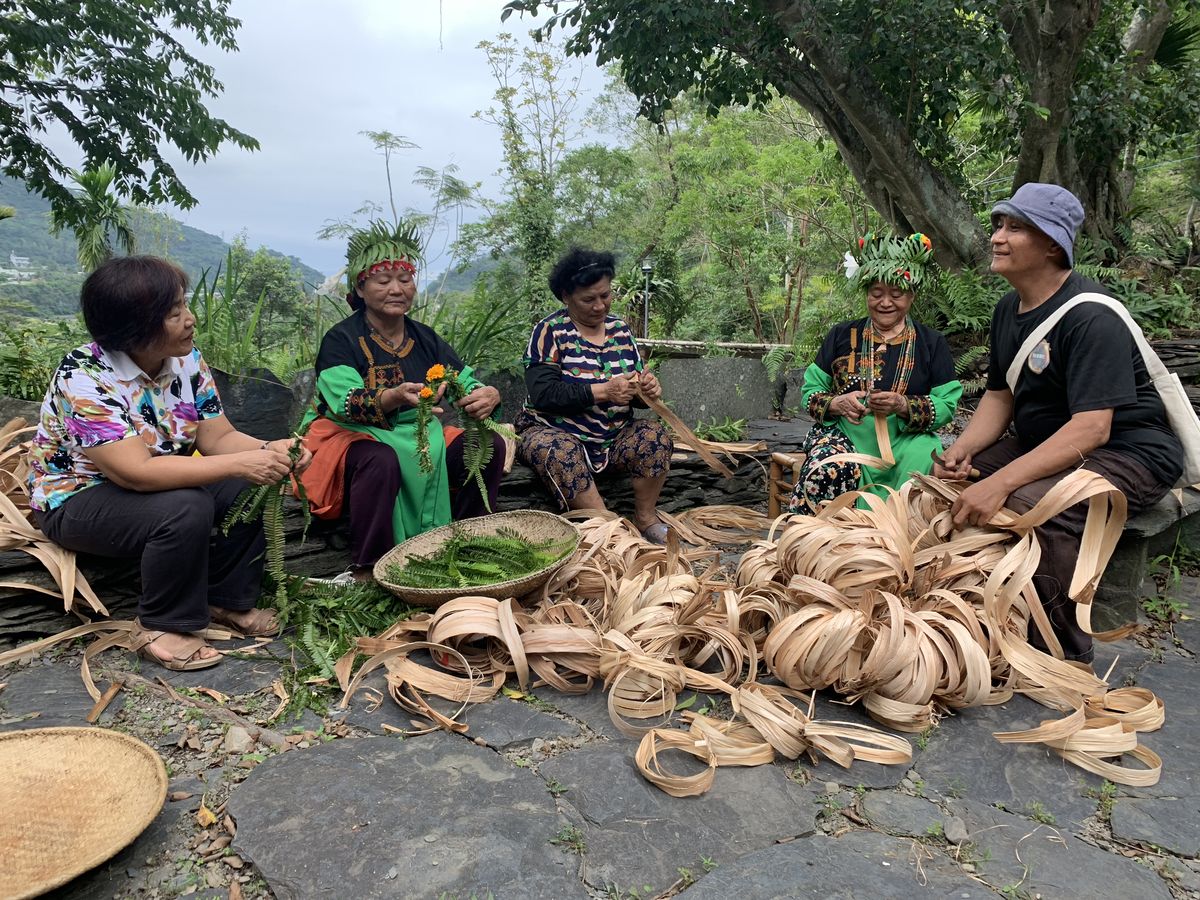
pixel 347 397
pixel 929 412
pixel 816 393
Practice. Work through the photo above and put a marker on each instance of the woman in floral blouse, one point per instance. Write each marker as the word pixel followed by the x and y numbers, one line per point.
pixel 113 471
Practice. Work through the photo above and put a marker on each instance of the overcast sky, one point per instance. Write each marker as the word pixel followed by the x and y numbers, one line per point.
pixel 310 75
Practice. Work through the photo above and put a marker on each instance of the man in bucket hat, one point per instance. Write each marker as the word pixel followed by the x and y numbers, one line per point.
pixel 1082 399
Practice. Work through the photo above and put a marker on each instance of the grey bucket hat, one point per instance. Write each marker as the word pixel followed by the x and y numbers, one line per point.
pixel 1051 209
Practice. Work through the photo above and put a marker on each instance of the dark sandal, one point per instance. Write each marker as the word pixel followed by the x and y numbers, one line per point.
pixel 264 623
pixel 185 660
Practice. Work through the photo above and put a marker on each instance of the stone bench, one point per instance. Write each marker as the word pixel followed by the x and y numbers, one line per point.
pixel 1169 523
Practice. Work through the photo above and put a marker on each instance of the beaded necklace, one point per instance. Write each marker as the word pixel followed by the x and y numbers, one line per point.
pixel 873 355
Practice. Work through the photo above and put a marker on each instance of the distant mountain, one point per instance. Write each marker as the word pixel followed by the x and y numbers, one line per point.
pixel 56 289
pixel 464 281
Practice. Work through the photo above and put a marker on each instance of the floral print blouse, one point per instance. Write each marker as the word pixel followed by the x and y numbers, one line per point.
pixel 97 397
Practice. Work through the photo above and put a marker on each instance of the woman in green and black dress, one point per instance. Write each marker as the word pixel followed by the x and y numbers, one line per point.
pixel 371 369
pixel 885 364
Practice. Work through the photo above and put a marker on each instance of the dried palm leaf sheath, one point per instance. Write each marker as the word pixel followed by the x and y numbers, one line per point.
pixel 885 605
pixel 685 434
pixel 17 531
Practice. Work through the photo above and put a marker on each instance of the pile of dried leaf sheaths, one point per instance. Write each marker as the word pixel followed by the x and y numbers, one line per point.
pixel 888 606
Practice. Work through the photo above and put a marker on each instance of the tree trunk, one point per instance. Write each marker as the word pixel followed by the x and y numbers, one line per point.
pixel 901 184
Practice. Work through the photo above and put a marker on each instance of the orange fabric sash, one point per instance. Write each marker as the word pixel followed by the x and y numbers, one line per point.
pixel 325 478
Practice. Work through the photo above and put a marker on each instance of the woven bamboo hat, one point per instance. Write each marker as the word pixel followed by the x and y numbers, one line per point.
pixel 72 798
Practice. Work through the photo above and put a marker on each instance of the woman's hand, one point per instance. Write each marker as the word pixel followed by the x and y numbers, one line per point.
pixel 480 403
pixel 284 446
pixel 408 393
pixel 266 466
pixel 849 406
pixel 888 402
pixel 620 389
pixel 650 385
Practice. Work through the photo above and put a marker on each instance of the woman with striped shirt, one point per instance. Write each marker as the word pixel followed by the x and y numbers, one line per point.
pixel 582 372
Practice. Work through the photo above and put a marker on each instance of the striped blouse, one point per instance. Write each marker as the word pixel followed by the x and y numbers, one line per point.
pixel 557 344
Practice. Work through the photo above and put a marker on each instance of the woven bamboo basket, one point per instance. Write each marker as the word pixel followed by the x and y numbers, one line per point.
pixel 72 798
pixel 533 525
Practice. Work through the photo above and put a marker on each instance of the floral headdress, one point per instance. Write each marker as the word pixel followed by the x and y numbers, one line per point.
pixel 381 246
pixel 903 263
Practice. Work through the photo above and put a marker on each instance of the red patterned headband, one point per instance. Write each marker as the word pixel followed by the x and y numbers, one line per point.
pixel 387 265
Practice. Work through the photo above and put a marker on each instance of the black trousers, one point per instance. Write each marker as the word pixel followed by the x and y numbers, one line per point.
pixel 185 567
pixel 1059 537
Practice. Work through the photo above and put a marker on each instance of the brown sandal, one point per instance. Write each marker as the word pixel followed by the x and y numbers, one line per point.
pixel 185 660
pixel 264 624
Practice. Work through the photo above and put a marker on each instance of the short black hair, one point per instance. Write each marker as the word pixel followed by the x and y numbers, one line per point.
pixel 580 268
pixel 126 300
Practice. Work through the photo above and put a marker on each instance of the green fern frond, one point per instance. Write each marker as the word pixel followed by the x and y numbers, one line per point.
pixel 777 359
pixel 969 357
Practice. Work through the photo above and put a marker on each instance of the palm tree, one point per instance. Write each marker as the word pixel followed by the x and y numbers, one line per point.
pixel 96 216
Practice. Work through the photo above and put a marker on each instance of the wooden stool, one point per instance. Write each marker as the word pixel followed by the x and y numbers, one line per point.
pixel 781 478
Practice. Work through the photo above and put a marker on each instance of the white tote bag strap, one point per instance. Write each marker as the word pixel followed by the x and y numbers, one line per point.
pixel 1154 367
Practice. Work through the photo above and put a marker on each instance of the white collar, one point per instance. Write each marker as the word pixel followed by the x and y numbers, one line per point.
pixel 127 370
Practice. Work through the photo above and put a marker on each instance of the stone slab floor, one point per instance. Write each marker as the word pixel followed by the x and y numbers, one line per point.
pixel 541 799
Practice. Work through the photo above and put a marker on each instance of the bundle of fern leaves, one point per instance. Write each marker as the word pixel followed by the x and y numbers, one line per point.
pixel 474 560
pixel 266 501
pixel 477 433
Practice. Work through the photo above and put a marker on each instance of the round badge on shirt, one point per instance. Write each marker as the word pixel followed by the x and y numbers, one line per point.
pixel 1039 358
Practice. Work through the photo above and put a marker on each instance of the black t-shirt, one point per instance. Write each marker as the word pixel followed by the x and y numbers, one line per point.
pixel 1088 361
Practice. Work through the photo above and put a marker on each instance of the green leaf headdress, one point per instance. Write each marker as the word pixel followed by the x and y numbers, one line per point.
pixel 381 246
pixel 903 263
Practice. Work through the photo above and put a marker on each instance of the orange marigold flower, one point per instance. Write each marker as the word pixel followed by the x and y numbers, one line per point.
pixel 436 371
pixel 426 392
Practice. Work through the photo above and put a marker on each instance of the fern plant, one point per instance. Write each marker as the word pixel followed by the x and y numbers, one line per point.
pixel 474 560
pixel 777 359
pixel 477 433
pixel 328 619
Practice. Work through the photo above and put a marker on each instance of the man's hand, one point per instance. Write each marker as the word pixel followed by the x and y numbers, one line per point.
pixel 954 465
pixel 849 406
pixel 979 502
pixel 480 402
pixel 888 402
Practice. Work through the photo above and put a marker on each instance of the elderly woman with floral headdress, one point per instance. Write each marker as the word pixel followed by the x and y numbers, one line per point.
pixel 371 370
pixel 884 367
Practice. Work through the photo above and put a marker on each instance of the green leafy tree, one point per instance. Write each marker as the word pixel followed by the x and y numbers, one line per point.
pixel 96 217
pixel 1075 91
pixel 535 99
pixel 122 81
pixel 270 286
